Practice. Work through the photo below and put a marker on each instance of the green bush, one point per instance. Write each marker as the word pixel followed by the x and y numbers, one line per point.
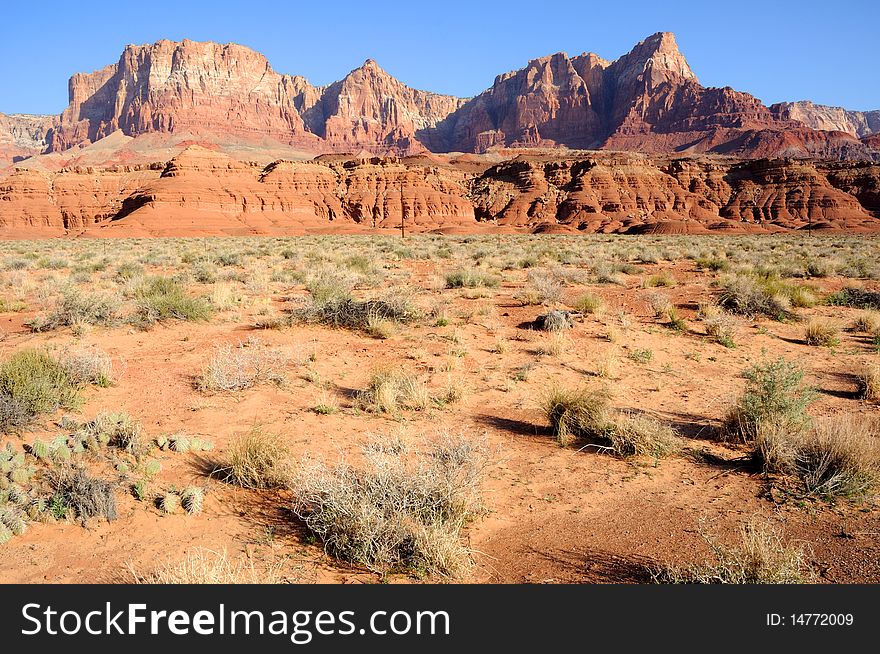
pixel 163 298
pixel 774 393
pixel 470 278
pixel 76 307
pixel 854 297
pixel 33 382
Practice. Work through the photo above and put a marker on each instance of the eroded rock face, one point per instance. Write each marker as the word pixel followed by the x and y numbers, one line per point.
pixel 23 135
pixel 835 119
pixel 36 204
pixel 205 192
pixel 202 192
pixel 185 87
pixel 649 100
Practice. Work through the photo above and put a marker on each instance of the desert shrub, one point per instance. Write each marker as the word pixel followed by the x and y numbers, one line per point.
pixel 236 367
pixel 821 333
pixel 391 390
pixel 749 296
pixel 128 271
pixel 664 279
pixel 589 303
pixel 774 391
pixel 88 366
pixel 546 286
pixel 349 313
pixel 76 307
pixel 839 457
pixel 202 566
pixel 470 278
pixel 855 297
pixel 87 496
pixel 721 327
pixel 869 382
pixel 258 459
pixel 868 323
pixel 641 435
pixel 396 513
pixel 714 264
pixel 579 413
pixel 761 557
pixel 660 304
pixel 33 382
pixel 164 298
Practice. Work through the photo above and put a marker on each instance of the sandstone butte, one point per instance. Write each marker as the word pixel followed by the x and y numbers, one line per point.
pixel 197 138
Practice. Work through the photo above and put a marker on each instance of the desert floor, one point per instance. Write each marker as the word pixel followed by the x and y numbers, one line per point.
pixel 552 514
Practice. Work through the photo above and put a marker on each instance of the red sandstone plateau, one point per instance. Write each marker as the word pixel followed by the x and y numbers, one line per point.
pixel 202 138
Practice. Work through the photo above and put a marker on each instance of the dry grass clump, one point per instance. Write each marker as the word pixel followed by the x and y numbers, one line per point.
pixel 774 394
pixel 399 511
pixel 761 557
pixel 578 414
pixel 589 303
pixel 203 566
pixel 868 322
pixel 821 333
pixel 664 279
pixel 640 435
pixel 89 366
pixel 840 457
pixel 869 382
pixel 258 459
pixel 390 390
pixel 583 414
pixel 236 367
pixel 86 496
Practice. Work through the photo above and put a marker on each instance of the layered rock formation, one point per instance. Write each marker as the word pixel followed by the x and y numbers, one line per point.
pixel 823 117
pixel 208 88
pixel 648 100
pixel 23 135
pixel 204 192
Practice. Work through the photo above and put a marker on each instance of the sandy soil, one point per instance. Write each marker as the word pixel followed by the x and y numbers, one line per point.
pixel 554 514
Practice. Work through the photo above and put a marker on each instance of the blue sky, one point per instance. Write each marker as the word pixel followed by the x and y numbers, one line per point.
pixel 778 50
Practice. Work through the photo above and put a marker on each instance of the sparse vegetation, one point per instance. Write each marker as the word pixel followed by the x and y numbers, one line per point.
pixel 241 366
pixel 774 394
pixel 761 557
pixel 823 333
pixel 203 566
pixel 258 459
pixel 32 382
pixel 390 391
pixel 396 513
pixel 163 298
